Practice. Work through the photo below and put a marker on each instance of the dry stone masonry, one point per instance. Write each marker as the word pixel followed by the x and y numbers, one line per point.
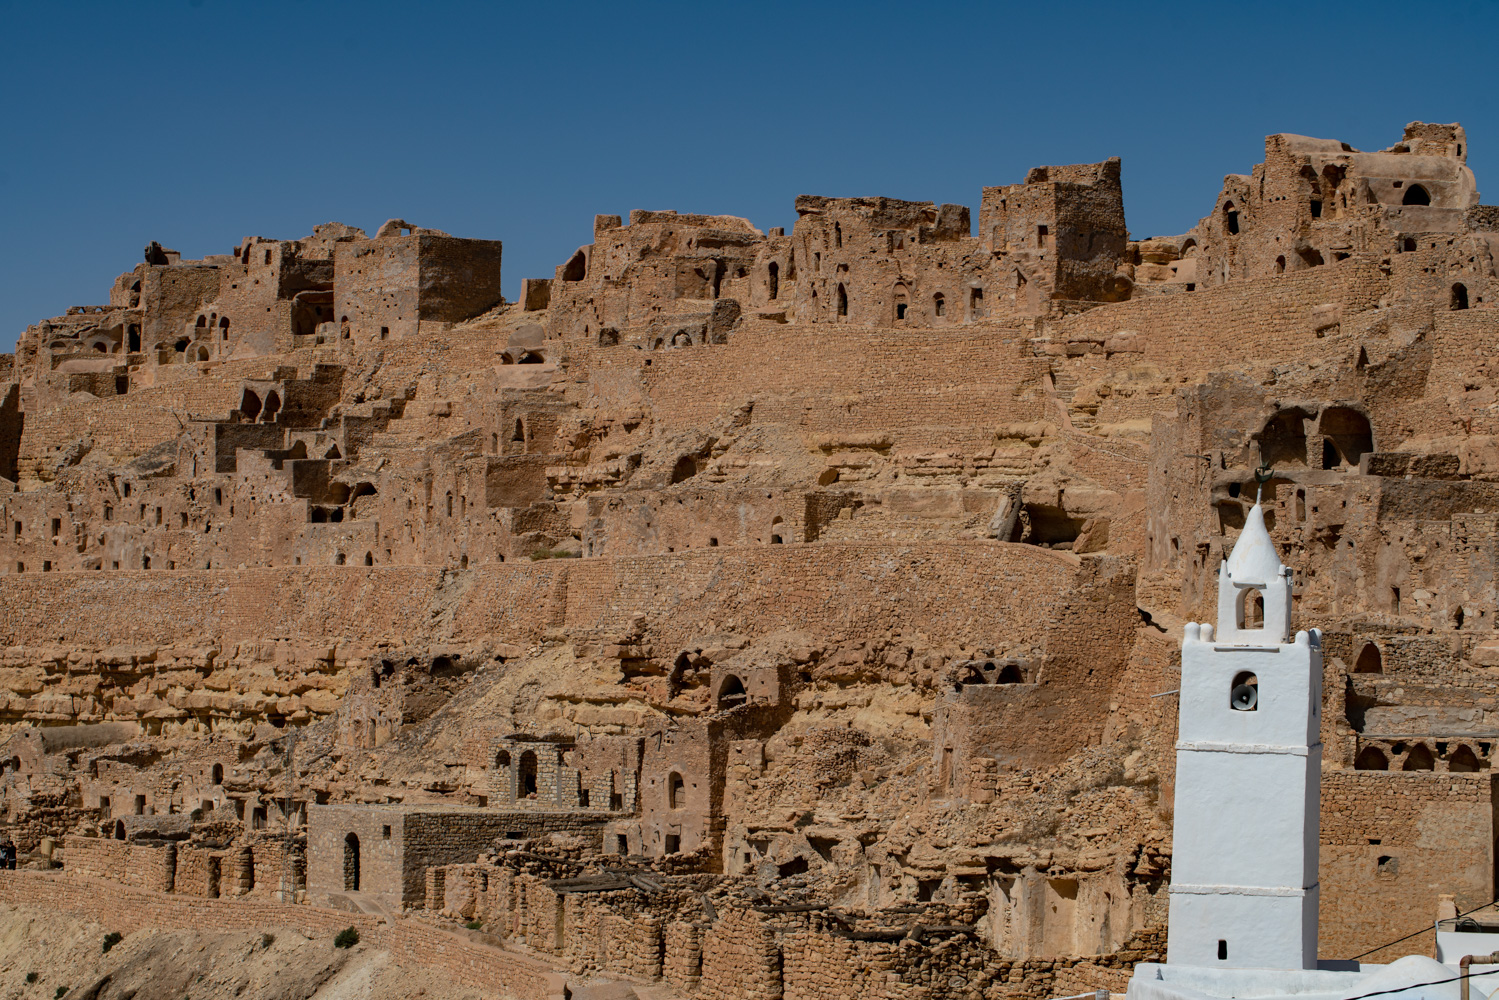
pixel 763 615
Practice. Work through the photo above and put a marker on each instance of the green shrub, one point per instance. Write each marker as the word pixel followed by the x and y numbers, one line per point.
pixel 111 939
pixel 347 938
pixel 31 977
pixel 473 925
pixel 60 991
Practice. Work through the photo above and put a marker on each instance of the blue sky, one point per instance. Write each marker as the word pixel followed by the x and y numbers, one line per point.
pixel 198 122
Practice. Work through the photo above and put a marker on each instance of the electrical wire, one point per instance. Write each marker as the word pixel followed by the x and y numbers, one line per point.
pixel 1417 986
pixel 1423 930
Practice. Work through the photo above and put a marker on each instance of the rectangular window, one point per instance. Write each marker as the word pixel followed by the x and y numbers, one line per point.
pixel 385 833
pixel 1222 950
pixel 673 844
pixel 621 844
pixel 56 526
pixel 140 805
pixel 18 529
pixel 1043 237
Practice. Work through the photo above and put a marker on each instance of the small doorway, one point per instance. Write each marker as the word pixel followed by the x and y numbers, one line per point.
pixel 351 863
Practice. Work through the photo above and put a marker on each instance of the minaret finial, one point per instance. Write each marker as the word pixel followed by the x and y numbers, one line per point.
pixel 1262 475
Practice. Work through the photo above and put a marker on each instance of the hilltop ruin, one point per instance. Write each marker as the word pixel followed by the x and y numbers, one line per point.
pixel 762 613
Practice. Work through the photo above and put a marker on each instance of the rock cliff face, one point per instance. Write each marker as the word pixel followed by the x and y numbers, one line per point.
pixel 833 573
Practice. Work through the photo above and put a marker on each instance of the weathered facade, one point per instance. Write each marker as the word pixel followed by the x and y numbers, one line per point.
pixel 766 613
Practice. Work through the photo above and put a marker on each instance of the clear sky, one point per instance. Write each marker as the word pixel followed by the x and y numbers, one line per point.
pixel 198 122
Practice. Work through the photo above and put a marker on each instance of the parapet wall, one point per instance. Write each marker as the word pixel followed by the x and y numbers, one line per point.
pixel 1259 321
pixel 956 590
pixel 930 389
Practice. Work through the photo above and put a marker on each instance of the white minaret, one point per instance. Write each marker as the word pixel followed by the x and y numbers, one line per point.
pixel 1248 776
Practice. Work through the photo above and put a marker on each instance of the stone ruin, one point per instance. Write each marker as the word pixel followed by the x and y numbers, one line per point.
pixel 763 614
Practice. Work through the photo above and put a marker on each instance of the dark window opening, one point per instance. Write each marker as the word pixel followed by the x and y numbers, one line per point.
pixel 731 692
pixel 1222 950
pixel 675 791
pixel 939 304
pixel 673 843
pixel 1416 195
pixel 1371 759
pixel 1419 759
pixel 1283 441
pixel 621 844
pixel 527 781
pixel 1347 436
pixel 900 310
pixel 842 301
pixel 1459 299
pixel 1408 245
pixel 576 268
pixel 1463 760
pixel 1316 209
pixel 774 272
pixel 1231 219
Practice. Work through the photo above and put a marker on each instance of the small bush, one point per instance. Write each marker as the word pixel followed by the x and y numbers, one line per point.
pixel 266 940
pixel 347 938
pixel 60 991
pixel 473 925
pixel 111 939
pixel 31 977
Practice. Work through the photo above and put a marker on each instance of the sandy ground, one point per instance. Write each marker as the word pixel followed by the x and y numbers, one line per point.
pixel 67 956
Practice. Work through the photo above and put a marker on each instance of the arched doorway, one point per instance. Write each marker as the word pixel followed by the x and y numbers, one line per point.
pixel 351 863
pixel 1371 759
pixel 1346 436
pixel 526 782
pixel 1416 195
pixel 731 693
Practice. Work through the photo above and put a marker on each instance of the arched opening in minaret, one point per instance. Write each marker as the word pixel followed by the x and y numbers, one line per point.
pixel 1244 694
pixel 1251 609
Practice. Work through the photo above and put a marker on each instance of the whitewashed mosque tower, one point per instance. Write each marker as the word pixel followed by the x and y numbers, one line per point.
pixel 1248 775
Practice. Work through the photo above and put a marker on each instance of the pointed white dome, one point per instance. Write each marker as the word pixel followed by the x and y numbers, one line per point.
pixel 1254 558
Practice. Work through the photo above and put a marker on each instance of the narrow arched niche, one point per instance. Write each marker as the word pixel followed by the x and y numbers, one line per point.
pixel 1371 759
pixel 1369 660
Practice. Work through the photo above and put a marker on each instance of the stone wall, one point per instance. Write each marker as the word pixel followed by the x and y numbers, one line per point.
pixel 464 960
pixel 1391 842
